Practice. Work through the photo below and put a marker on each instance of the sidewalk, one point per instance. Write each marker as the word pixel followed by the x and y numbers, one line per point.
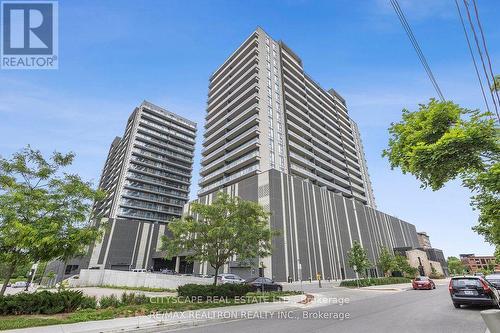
pixel 176 319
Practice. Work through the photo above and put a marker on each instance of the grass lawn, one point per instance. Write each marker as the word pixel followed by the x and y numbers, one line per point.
pixel 168 304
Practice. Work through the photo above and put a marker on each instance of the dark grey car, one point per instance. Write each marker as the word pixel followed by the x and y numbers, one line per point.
pixel 473 290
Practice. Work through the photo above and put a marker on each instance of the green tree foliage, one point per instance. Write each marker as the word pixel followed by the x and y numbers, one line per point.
pixel 357 259
pixel 442 142
pixel 43 211
pixel 496 83
pixel 386 261
pixel 402 265
pixel 20 271
pixel 217 232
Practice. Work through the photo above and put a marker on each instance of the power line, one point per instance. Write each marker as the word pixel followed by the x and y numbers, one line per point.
pixel 486 49
pixel 472 55
pixel 416 46
pixel 481 56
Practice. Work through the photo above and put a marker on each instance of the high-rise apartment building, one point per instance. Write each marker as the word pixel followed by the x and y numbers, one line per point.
pixel 274 136
pixel 146 178
pixel 264 112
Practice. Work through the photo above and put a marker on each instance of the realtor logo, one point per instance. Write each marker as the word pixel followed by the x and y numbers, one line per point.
pixel 29 35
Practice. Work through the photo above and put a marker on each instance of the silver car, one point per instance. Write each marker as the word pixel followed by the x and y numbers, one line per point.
pixel 20 284
pixel 494 279
pixel 229 278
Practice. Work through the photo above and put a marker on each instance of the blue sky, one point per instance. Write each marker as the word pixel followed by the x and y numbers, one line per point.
pixel 115 54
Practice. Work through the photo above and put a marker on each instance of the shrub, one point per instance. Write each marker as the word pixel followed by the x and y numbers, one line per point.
pixel 204 291
pixel 436 276
pixel 88 302
pixel 134 299
pixel 374 281
pixel 109 302
pixel 43 302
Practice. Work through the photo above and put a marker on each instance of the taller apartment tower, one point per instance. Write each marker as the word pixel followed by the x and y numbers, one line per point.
pixel 274 136
pixel 146 177
pixel 264 112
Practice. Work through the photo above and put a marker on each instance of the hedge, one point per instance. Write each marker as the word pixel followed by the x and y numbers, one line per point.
pixel 44 302
pixel 374 281
pixel 202 291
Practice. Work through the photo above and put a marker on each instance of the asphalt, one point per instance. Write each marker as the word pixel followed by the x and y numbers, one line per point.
pixel 385 311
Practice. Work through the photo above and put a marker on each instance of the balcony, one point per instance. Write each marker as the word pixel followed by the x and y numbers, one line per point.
pixel 248 146
pixel 240 79
pixel 161 159
pixel 251 122
pixel 232 178
pixel 163 151
pixel 251 132
pixel 166 130
pixel 228 167
pixel 250 43
pixel 250 107
pixel 215 108
pixel 244 102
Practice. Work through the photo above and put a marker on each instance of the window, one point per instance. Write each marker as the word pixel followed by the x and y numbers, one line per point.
pixel 70 268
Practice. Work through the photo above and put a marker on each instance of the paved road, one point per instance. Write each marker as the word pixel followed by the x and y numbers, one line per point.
pixel 368 311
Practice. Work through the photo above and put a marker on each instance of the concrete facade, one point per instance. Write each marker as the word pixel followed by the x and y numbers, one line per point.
pixel 317 229
pixel 424 240
pixel 108 277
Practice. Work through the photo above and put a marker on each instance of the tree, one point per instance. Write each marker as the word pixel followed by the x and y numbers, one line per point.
pixel 43 211
pixel 442 142
pixel 386 261
pixel 455 265
pixel 358 259
pixel 402 265
pixel 218 232
pixel 496 83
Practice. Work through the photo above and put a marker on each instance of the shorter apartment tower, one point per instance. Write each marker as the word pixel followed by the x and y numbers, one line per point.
pixel 146 177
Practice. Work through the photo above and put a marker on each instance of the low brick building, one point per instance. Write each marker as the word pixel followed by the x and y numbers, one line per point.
pixel 475 263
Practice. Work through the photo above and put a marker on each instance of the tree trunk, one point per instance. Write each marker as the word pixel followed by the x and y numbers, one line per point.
pixel 216 273
pixel 11 270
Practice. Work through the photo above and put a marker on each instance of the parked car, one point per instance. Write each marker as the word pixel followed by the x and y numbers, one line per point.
pixel 494 279
pixel 20 284
pixel 139 270
pixel 263 284
pixel 472 290
pixel 229 278
pixel 167 271
pixel 423 282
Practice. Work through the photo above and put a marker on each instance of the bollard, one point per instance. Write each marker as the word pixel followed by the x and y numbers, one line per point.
pixel 492 320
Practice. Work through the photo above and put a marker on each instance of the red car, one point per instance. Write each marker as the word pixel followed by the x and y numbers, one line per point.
pixel 423 282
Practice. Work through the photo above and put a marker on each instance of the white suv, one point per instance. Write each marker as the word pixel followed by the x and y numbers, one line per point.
pixel 229 278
